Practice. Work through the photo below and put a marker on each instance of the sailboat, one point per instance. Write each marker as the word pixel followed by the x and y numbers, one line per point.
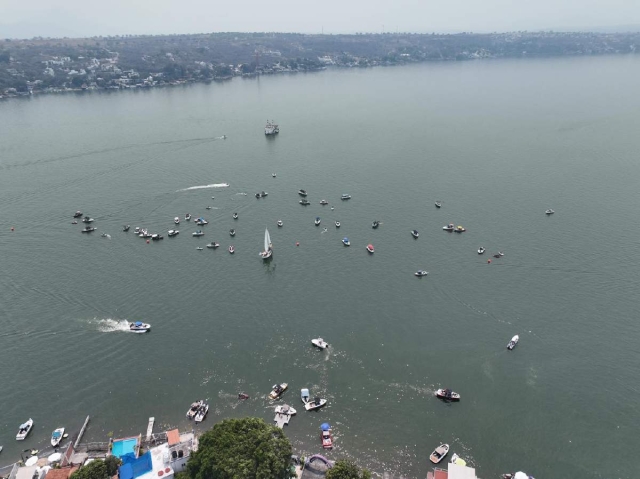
pixel 268 252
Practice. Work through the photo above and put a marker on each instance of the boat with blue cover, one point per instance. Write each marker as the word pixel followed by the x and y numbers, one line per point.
pixel 139 327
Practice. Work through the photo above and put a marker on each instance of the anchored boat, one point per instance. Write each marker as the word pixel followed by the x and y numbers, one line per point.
pixel 268 247
pixel 438 454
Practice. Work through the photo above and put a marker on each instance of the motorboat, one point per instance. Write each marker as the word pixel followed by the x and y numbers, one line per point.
pixel 125 228
pixel 193 409
pixel 232 232
pixel 337 224
pixel 176 220
pixel 258 195
pixel 88 229
pixel 304 202
pixel 201 413
pixel 139 327
pixel 198 233
pixel 268 247
pixel 460 229
pixel 243 396
pixel 370 248
pixel 317 222
pixel 499 254
pixel 325 436
pixel 324 202
pixel 173 232
pixel 320 343
pixel 481 250
pixel 156 237
pixel 235 216
pixel 277 390
pixel 439 452
pixel 286 410
pixel 137 230
pixel 449 227
pixel 513 342
pixel 187 217
pixel 231 249
pixel 271 129
pixel 74 222
pixel 448 395
pixel 375 224
pixel 302 192
pixel 273 175
pixel 87 219
pixel 549 212
pixel 438 204
pixel 209 207
pixel 77 214
pixel 415 233
pixel 345 197
pixel 213 245
pixel 346 242
pixel 56 436
pixel 280 223
pixel 263 194
pixel 304 395
pixel 315 403
pixel 24 430
pixel 201 221
pixel 199 248
pixel 420 273
pixel 145 234
pixel 105 235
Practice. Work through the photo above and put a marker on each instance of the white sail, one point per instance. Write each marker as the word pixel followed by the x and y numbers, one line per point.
pixel 267 240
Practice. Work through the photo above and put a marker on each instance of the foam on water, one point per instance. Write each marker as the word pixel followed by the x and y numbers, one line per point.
pixel 201 187
pixel 109 325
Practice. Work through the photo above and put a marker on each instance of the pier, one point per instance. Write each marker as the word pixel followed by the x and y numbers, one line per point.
pixel 150 428
pixel 81 433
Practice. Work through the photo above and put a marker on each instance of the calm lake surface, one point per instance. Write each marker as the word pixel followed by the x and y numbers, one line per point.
pixel 498 142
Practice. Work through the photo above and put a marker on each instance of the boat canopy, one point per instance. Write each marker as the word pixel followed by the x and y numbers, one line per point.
pixel 138 323
pixel 24 426
pixel 325 426
pixel 304 392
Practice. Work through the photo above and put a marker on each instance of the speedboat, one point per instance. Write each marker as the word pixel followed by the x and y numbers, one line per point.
pixel 415 233
pixel 193 409
pixel 302 192
pixel 438 204
pixel 187 217
pixel 280 223
pixel 232 232
pixel 438 454
pixel 304 395
pixel 370 248
pixel 337 224
pixel 209 207
pixel 145 234
pixel 285 409
pixel 198 233
pixel 317 220
pixel 375 224
pixel 87 219
pixel 481 250
pixel 24 430
pixel 277 390
pixel 258 195
pixel 74 222
pixel 513 342
pixel 325 436
pixel 77 214
pixel 56 437
pixel 232 249
pixel 448 395
pixel 549 212
pixel 315 403
pixel 88 229
pixel 126 227
pixel 499 254
pixel 176 220
pixel 459 229
pixel 105 235
pixel 173 232
pixel 345 197
pixel 346 242
pixel 213 245
pixel 199 248
pixel 421 273
pixel 263 194
pixel 319 342
pixel 235 216
pixel 137 230
pixel 201 413
pixel 324 202
pixel 156 237
pixel 449 227
pixel 273 175
pixel 304 202
pixel 201 221
pixel 139 327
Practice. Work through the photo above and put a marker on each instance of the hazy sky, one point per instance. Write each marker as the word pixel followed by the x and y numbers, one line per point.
pixel 113 17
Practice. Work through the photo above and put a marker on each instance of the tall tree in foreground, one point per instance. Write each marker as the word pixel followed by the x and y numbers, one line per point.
pixel 344 469
pixel 247 448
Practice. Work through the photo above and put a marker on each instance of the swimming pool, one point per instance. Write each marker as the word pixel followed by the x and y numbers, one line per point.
pixel 124 446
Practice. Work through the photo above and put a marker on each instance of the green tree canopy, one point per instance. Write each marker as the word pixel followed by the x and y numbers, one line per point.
pixel 247 448
pixel 94 470
pixel 344 469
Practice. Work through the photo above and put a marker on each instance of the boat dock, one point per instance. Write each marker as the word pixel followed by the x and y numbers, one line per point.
pixel 150 428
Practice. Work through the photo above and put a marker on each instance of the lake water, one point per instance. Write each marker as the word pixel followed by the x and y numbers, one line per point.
pixel 498 142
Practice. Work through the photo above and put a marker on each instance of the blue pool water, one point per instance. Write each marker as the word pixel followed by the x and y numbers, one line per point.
pixel 124 446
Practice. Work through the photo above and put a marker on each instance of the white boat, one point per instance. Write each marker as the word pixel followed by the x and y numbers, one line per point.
pixel 420 273
pixel 346 242
pixel 24 430
pixel 370 249
pixel 324 202
pixel 273 175
pixel 125 228
pixel 235 216
pixel 271 128
pixel 201 222
pixel 156 237
pixel 277 390
pixel 319 342
pixel 447 395
pixel 77 214
pixel 375 224
pixel 187 217
pixel 87 219
pixel 139 327
pixel 198 233
pixel 88 229
pixel 438 204
pixel 172 232
pixel 213 245
pixel 286 410
pixel 460 229
pixel 337 224
pixel 232 232
pixel 317 221
pixel 201 413
pixel 304 395
pixel 438 454
pixel 481 250
pixel 304 202
pixel 449 227
pixel 345 197
pixel 232 249
pixel 199 248
pixel 302 192
pixel 315 403
pixel 176 220
pixel 56 436
pixel 268 247
pixel 415 233
pixel 193 409
pixel 280 223
pixel 513 342
pixel 549 211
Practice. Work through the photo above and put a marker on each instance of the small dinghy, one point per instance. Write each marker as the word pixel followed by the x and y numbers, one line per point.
pixel 315 403
pixel 337 224
pixel 232 232
pixel 277 390
pixel 193 409
pixel 317 221
pixel 449 227
pixel 187 217
pixel 320 343
pixel 375 224
pixel 438 204
pixel 324 202
pixel 231 249
pixel 24 430
pixel 513 342
pixel 77 214
pixel 302 192
pixel 198 233
pixel 213 245
pixel 273 175
pixel 139 327
pixel 415 233
pixel 447 395
pixel 201 413
pixel 370 249
pixel 460 229
pixel 549 212
pixel 481 250
pixel 346 242
pixel 438 454
pixel 304 202
pixel 56 437
pixel 125 228
pixel 176 220
pixel 345 197
pixel 420 273
pixel 235 216
pixel 172 232
pixel 280 223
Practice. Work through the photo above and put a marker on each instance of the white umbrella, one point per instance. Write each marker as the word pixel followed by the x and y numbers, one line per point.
pixel 55 457
pixel 32 461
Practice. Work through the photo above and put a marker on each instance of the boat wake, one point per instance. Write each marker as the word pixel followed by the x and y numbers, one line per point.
pixel 111 325
pixel 202 187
